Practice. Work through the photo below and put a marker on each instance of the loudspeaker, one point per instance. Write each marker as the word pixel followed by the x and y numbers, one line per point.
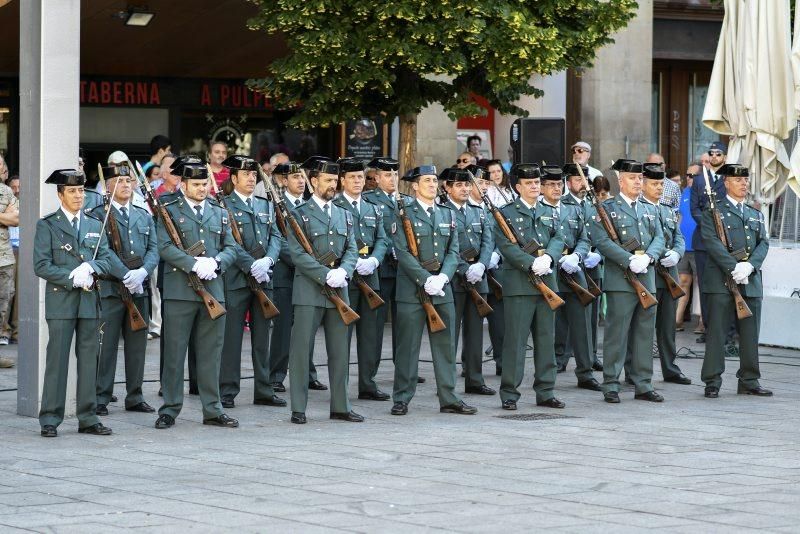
pixel 535 140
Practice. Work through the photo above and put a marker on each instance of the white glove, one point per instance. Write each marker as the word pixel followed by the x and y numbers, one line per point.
pixel 639 262
pixel 138 290
pixel 336 278
pixel 205 268
pixel 743 269
pixel 541 265
pixel 571 263
pixel 434 285
pixel 81 276
pixel 475 272
pixel 592 260
pixel 739 278
pixel 495 261
pixel 366 266
pixel 260 269
pixel 671 259
pixel 134 279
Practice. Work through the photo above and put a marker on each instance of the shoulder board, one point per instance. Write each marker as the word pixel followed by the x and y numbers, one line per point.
pixel 448 206
pixel 171 201
pixel 369 200
pixel 92 191
pixel 407 198
pixel 91 215
pixel 141 208
pixel 473 206
pixel 212 201
pixel 661 203
pixel 265 199
pixel 51 214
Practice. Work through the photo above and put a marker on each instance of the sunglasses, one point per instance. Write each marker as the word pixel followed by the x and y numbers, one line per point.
pixel 579 150
pixel 463 160
pixel 713 153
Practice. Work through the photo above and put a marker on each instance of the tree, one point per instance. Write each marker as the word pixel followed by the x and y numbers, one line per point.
pixel 353 58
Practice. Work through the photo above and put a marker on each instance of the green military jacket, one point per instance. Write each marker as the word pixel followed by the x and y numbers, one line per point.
pixel 283 272
pixel 474 237
pixel 92 199
pixel 588 212
pixel 388 207
pixel 213 231
pixel 334 234
pixel 528 224
pixel 57 251
pixel 747 232
pixel 369 233
pixel 572 223
pixel 645 228
pixel 138 239
pixel 673 239
pixel 260 237
pixel 437 239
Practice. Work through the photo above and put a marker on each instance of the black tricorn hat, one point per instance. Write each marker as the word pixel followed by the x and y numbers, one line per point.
pixel 478 172
pixel 733 169
pixel 320 164
pixel 571 169
pixel 552 172
pixel 194 172
pixel 112 171
pixel 653 171
pixel 66 177
pixel 384 164
pixel 423 170
pixel 350 165
pixel 523 171
pixel 240 163
pixel 454 174
pixel 627 165
pixel 180 161
pixel 286 168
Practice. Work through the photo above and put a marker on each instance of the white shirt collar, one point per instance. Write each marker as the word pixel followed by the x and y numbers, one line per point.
pixel 455 203
pixel 244 197
pixel 626 199
pixel 424 206
pixel 474 203
pixel 647 201
pixel 192 204
pixel 321 202
pixel 733 200
pixel 577 200
pixel 529 206
pixel 292 198
pixel 120 206
pixel 70 216
pixel 390 195
pixel 350 200
pixel 557 205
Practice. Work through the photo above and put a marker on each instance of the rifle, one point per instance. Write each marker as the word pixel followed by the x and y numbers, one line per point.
pixel 135 318
pixel 147 190
pixel 435 322
pixel 584 296
pixel 550 296
pixel 494 285
pixel 594 289
pixel 214 308
pixel 483 307
pixel 268 308
pixel 646 299
pixel 742 309
pixel 348 315
pixel 374 300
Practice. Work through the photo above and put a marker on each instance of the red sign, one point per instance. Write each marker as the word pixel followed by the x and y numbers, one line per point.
pixel 226 95
pixel 120 93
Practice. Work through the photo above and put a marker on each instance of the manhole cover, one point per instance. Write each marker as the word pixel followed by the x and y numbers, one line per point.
pixel 534 416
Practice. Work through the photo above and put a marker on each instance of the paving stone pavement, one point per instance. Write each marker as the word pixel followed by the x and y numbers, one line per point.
pixel 687 465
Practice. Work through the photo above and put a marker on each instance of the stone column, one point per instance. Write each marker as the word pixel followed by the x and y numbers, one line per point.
pixel 49 80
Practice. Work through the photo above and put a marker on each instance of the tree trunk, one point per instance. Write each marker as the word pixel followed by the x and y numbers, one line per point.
pixel 407 147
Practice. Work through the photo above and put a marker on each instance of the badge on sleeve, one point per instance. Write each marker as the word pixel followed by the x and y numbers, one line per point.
pixel 394 228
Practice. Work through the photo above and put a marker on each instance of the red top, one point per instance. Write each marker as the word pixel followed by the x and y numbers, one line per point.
pixel 160 190
pixel 222 175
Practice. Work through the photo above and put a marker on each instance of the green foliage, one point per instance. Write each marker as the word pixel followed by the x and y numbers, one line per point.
pixel 351 58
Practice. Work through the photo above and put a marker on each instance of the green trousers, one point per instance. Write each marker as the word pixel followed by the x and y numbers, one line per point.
pixel 573 329
pixel 629 329
pixel 117 323
pixel 187 318
pixel 281 334
pixel 54 388
pixel 411 323
pixel 720 309
pixel 665 333
pixel 307 319
pixel 367 329
pixel 238 302
pixel 528 315
pixel 469 325
pixel 387 293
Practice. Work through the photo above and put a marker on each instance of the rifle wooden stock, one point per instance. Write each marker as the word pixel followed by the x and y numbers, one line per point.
pixel 435 322
pixel 134 315
pixel 594 289
pixel 483 307
pixel 742 309
pixel 674 288
pixel 495 286
pixel 584 297
pixel 374 301
pixel 346 312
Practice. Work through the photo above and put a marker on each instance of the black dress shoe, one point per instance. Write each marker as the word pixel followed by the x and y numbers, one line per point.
pixel 270 401
pixel 141 407
pixel 317 385
pixel 611 397
pixel 298 418
pixel 114 398
pixel 420 380
pixel 758 391
pixel 651 396
pixel 160 392
pixel 510 405
pixel 278 387
pixel 460 408
pixel 399 408
pixel 350 416
pixel 597 366
pixel 164 421
pixel 680 379
pixel 49 431
pixel 101 409
pixel 551 403
pixel 481 390
pixel 712 392
pixel 97 429
pixel 227 402
pixel 376 395
pixel 562 368
pixel 222 420
pixel 591 384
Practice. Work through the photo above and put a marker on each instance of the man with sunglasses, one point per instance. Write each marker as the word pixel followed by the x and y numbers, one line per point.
pixel 698 200
pixel 581 152
pixel 465 160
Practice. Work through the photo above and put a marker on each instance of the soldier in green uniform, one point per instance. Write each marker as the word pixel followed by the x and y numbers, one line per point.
pixel 137 233
pixel 289 177
pixel 749 242
pixel 68 251
pixel 196 218
pixel 629 324
pixel 475 245
pixel 372 243
pixel 674 249
pixel 437 244
pixel 527 312
pixel 261 244
pixel 569 218
pixel 329 229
